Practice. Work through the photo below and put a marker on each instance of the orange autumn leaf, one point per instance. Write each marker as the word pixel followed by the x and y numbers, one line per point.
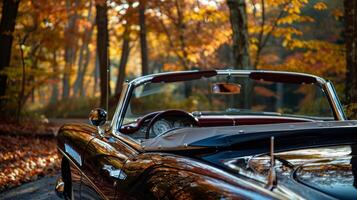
pixel 320 6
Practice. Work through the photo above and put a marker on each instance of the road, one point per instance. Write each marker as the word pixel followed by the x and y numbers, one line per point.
pixel 41 189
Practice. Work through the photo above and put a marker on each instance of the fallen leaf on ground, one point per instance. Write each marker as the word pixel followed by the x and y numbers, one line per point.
pixel 26 158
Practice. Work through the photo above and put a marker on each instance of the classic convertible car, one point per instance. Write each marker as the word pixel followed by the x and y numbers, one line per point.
pixel 219 134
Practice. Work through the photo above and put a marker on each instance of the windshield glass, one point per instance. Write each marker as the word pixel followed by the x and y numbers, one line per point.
pixel 255 97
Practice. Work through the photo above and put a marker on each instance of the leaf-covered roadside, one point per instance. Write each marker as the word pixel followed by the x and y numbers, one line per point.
pixel 28 128
pixel 26 158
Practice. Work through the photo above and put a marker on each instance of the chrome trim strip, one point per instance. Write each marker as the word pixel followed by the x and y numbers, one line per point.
pixel 335 102
pixel 73 153
pixel 119 110
pixel 124 106
pixel 117 122
pixel 68 158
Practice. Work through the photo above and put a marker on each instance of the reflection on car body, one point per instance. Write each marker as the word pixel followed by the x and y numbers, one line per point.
pixel 208 135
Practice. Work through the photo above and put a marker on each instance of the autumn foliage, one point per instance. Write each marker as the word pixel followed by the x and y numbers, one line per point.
pixel 55 52
pixel 24 159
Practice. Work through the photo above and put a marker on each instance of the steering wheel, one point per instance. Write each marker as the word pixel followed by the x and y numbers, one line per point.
pixel 170 113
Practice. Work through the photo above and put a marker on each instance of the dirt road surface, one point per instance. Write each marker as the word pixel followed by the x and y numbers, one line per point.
pixel 41 189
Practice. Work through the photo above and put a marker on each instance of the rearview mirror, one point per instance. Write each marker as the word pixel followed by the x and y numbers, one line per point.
pixel 226 88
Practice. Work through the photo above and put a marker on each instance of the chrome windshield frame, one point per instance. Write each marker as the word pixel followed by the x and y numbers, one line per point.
pixel 118 118
pixel 335 101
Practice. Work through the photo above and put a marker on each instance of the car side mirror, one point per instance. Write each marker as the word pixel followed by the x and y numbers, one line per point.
pixel 98 117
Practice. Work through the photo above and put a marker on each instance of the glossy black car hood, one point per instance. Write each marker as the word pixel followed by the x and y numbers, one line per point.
pixel 315 160
pixel 229 137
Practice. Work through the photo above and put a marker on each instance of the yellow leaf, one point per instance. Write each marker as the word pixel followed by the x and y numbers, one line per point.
pixel 320 6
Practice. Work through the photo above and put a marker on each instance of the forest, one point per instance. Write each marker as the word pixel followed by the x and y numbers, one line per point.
pixel 59 59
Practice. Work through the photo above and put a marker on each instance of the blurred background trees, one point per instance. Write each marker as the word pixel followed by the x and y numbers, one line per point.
pixel 67 55
pixel 7 26
pixel 240 37
pixel 351 55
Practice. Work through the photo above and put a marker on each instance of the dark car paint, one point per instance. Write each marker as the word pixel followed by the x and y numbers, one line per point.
pixel 173 177
pixel 338 132
pixel 98 157
pixel 108 168
pixel 139 172
pixel 103 165
pixel 145 175
pixel 72 139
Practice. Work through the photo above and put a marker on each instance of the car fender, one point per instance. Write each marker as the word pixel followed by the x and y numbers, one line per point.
pixel 169 176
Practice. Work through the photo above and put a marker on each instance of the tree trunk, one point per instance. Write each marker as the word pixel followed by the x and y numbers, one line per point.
pixel 123 61
pixel 20 100
pixel 84 55
pixel 351 50
pixel 143 42
pixel 80 75
pixel 85 67
pixel 102 49
pixel 7 27
pixel 239 24
pixel 238 18
pixel 181 26
pixel 54 95
pixel 70 48
pixel 96 74
pixel 83 62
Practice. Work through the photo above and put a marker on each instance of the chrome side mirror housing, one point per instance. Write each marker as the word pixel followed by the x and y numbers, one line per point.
pixel 98 117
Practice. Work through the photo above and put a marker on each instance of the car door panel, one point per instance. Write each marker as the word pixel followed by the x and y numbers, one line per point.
pixel 102 168
pixel 72 142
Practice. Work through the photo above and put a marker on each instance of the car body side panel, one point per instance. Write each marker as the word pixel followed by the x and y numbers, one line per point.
pixel 75 180
pixel 103 168
pixel 72 143
pixel 72 175
pixel 73 139
pixel 242 187
pixel 168 183
pixel 134 172
pixel 166 176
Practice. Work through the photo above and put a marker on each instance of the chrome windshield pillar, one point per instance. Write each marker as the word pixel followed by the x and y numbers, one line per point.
pixel 334 101
pixel 118 115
